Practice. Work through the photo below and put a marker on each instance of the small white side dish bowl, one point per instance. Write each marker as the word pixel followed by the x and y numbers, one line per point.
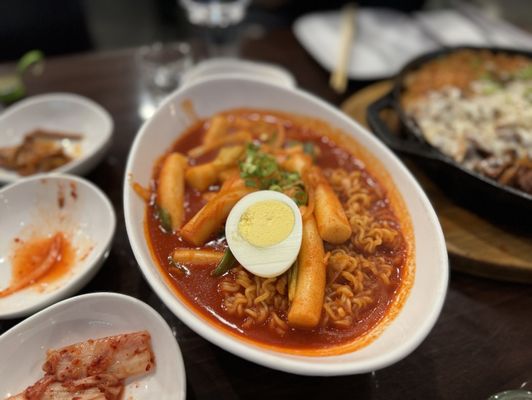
pixel 419 310
pixel 62 112
pixel 38 207
pixel 92 316
pixel 227 67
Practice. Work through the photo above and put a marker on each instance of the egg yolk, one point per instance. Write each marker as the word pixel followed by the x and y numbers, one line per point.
pixel 266 223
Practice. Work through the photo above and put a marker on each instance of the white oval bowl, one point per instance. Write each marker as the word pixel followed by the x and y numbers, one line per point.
pixel 59 112
pixel 92 316
pixel 423 305
pixel 30 208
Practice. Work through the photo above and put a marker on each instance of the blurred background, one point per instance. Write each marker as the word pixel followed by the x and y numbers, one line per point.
pixel 68 26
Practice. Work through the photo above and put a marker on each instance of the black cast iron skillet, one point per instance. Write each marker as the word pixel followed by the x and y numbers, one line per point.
pixel 475 191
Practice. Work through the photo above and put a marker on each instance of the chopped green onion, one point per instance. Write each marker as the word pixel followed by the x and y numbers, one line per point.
pixel 261 170
pixel 227 262
pixel 257 164
pixel 250 182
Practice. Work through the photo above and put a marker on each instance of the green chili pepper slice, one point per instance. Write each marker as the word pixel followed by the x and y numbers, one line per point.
pixel 227 262
pixel 164 218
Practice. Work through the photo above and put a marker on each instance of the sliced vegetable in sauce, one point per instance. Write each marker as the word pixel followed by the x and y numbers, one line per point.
pixel 292 281
pixel 227 262
pixel 164 218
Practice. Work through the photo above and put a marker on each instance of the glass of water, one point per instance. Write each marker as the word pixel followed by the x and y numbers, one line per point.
pixel 161 66
pixel 217 19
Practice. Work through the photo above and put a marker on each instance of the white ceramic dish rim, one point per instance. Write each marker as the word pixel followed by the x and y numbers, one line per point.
pixel 78 280
pixel 77 163
pixel 27 323
pixel 302 365
pixel 217 67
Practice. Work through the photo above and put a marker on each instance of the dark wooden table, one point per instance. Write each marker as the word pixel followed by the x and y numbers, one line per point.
pixel 481 344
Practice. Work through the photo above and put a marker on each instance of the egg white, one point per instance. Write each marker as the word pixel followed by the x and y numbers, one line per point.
pixel 265 262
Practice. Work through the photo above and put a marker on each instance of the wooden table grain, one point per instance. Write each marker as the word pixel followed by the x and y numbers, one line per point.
pixel 481 344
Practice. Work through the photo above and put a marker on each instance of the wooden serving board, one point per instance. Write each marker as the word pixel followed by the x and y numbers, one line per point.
pixel 475 245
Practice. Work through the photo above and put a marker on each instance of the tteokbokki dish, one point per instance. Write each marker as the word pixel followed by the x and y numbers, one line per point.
pixel 280 230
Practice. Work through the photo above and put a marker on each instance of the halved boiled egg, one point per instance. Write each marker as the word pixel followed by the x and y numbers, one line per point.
pixel 263 231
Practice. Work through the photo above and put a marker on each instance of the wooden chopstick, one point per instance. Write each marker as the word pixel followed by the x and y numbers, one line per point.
pixel 338 79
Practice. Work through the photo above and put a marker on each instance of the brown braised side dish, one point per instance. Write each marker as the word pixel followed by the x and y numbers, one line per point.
pixel 41 151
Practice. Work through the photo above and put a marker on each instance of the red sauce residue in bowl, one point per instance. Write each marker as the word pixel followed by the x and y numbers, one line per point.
pixel 39 260
pixel 60 196
pixel 73 190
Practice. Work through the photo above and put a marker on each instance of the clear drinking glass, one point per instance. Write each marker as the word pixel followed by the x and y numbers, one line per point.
pixel 218 20
pixel 215 13
pixel 161 67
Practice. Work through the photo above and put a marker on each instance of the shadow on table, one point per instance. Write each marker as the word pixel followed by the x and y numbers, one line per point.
pixel 213 373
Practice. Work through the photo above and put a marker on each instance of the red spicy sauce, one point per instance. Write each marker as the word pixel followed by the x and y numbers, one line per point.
pixel 30 254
